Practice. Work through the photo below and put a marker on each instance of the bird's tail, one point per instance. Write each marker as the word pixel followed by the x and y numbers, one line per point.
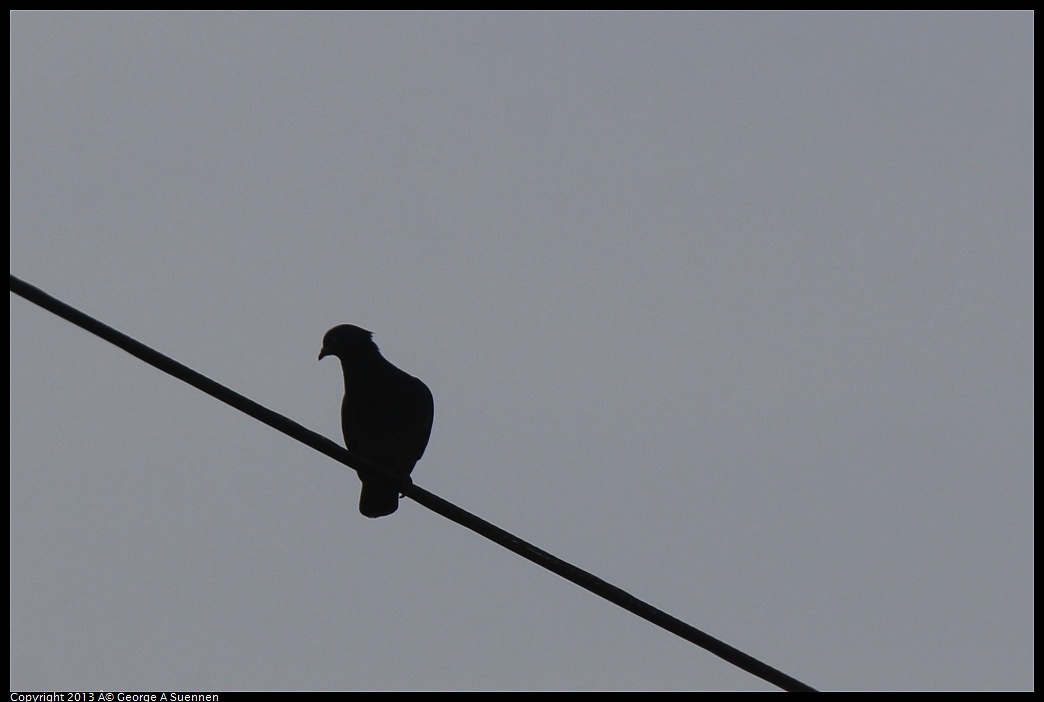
pixel 378 499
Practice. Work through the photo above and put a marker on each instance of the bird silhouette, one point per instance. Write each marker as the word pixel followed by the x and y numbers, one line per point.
pixel 386 415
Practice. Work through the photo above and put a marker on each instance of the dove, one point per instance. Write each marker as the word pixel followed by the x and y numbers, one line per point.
pixel 386 415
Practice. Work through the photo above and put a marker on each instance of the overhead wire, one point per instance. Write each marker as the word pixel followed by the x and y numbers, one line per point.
pixel 433 502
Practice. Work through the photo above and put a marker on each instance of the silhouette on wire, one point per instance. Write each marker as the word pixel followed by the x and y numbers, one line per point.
pixel 433 502
pixel 386 415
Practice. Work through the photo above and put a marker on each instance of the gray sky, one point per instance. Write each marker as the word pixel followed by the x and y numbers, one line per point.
pixel 733 310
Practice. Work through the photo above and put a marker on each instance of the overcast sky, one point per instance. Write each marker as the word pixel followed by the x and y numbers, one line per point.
pixel 733 310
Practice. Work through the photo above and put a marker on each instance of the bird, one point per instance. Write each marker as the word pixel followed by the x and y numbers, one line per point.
pixel 386 415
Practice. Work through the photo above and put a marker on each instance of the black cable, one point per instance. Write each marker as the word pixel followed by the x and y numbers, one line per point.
pixel 431 501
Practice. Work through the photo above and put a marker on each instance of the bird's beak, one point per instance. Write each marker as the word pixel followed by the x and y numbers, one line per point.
pixel 323 353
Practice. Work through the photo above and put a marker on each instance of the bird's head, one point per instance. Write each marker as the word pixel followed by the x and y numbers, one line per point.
pixel 347 341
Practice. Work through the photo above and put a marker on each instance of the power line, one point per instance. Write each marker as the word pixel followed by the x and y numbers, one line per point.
pixel 431 501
